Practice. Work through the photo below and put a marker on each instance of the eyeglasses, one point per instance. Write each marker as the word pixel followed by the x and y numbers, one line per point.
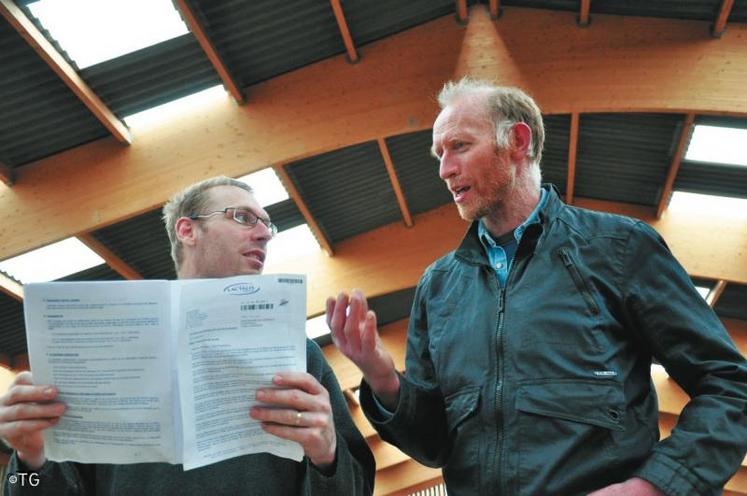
pixel 242 216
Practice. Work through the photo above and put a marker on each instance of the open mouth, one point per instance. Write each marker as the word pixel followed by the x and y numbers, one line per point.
pixel 459 193
pixel 256 255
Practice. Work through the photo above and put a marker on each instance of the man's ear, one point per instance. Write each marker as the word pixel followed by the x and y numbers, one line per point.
pixel 520 140
pixel 186 231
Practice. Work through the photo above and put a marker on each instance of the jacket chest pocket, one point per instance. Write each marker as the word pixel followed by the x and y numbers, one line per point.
pixel 565 427
pixel 572 267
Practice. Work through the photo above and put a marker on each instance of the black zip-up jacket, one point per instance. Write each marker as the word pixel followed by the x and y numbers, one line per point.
pixel 544 387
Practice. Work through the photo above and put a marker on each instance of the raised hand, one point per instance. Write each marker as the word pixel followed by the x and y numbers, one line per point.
pixel 354 332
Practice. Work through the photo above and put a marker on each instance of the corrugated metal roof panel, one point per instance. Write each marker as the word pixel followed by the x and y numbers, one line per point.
pixel 12 327
pixel 738 12
pixel 625 157
pixel 259 39
pixel 417 171
pixel 393 306
pixel 733 302
pixel 98 273
pixel 704 10
pixel 569 5
pixel 555 153
pixel 152 76
pixel 285 215
pixel 39 115
pixel 712 179
pixel 347 191
pixel 370 20
pixel 142 243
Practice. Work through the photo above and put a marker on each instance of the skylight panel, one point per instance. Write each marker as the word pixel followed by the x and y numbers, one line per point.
pixel 290 243
pixel 727 208
pixel 182 108
pixel 51 262
pixel 703 291
pixel 93 31
pixel 317 326
pixel 267 187
pixel 715 144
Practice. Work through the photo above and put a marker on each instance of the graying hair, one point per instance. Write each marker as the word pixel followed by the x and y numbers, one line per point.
pixel 191 200
pixel 506 106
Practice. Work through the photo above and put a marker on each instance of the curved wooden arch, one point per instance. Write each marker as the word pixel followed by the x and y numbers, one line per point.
pixel 618 64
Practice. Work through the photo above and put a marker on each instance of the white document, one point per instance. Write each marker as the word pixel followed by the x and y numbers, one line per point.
pixel 164 371
pixel 235 337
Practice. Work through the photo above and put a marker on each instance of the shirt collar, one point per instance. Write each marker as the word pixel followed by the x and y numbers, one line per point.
pixel 487 239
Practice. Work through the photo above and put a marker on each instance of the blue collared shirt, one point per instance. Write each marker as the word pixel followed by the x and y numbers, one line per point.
pixel 501 254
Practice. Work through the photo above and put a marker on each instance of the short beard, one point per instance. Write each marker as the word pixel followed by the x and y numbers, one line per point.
pixel 492 206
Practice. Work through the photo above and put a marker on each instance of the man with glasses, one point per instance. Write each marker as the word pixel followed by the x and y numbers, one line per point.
pixel 216 229
pixel 529 347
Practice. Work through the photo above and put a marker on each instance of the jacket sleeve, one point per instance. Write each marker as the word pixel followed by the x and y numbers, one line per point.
pixel 58 479
pixel 418 425
pixel 354 469
pixel 709 441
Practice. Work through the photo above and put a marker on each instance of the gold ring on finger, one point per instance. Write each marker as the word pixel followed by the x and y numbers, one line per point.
pixel 299 416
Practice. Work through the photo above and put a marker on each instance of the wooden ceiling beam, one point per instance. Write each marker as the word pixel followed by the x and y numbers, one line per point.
pixel 461 11
pixel 572 147
pixel 10 287
pixel 195 26
pixel 342 24
pixel 401 200
pixel 495 9
pixel 114 261
pixel 7 175
pixel 674 167
pixel 583 14
pixel 719 26
pixel 326 106
pixel 296 197
pixel 64 70
pixel 716 293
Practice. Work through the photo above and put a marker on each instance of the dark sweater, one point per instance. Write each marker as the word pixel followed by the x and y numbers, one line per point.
pixel 258 474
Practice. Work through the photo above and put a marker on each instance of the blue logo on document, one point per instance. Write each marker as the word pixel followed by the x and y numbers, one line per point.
pixel 241 289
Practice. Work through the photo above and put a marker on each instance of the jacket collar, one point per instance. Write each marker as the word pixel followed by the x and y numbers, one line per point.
pixel 472 251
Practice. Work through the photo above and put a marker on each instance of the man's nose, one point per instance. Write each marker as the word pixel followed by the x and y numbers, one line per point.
pixel 261 232
pixel 446 167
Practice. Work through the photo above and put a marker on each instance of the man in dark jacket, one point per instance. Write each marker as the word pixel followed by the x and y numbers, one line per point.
pixel 530 346
pixel 217 229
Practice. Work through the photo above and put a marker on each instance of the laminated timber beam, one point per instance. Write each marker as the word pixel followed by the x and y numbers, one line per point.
pixel 7 175
pixel 674 167
pixel 195 26
pixel 11 287
pixel 342 24
pixel 113 260
pixel 572 152
pixel 623 65
pixel 64 70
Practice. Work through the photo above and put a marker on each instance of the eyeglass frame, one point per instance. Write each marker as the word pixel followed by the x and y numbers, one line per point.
pixel 267 222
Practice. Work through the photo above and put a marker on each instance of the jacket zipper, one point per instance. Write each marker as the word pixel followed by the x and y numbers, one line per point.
pixel 578 280
pixel 499 384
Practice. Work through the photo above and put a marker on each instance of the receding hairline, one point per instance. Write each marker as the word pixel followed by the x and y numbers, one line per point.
pixel 481 100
